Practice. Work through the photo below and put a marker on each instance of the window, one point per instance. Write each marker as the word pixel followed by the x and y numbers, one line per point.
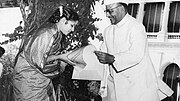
pixel 174 17
pixel 171 74
pixel 133 9
pixel 153 13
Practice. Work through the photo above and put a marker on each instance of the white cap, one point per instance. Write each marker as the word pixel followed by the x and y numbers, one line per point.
pixel 107 2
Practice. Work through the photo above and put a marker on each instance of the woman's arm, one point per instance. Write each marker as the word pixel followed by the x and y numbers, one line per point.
pixel 39 52
pixel 49 68
pixel 62 57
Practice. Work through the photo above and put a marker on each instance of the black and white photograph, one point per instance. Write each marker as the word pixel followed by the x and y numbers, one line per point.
pixel 89 50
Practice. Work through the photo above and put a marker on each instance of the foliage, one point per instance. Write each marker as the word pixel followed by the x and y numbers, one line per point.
pixel 6 79
pixel 11 3
pixel 86 27
pixel 77 90
pixel 35 13
pixel 40 10
pixel 16 35
pixel 93 88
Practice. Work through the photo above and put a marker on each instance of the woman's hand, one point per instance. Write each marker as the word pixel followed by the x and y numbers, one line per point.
pixel 62 57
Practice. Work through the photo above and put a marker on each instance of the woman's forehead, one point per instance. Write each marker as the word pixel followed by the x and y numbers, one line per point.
pixel 73 22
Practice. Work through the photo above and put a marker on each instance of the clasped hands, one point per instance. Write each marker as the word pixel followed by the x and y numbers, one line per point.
pixel 104 58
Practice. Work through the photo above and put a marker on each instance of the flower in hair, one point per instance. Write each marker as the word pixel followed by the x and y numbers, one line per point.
pixel 61 10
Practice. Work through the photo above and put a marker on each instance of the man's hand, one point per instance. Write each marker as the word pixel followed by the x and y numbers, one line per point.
pixel 104 58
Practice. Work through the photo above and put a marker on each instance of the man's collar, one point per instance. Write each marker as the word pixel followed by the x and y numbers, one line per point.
pixel 125 19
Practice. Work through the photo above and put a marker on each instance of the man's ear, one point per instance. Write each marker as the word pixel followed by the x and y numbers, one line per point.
pixel 64 20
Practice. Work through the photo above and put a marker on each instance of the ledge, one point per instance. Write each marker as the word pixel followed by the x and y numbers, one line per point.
pixel 164 45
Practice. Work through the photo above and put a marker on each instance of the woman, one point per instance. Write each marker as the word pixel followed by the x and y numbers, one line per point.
pixel 33 70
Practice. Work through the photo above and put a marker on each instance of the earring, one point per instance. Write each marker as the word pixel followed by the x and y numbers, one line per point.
pixel 57 20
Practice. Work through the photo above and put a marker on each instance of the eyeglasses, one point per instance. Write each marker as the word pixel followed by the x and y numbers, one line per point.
pixel 111 10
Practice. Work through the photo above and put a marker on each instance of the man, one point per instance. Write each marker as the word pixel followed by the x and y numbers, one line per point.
pixel 125 53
